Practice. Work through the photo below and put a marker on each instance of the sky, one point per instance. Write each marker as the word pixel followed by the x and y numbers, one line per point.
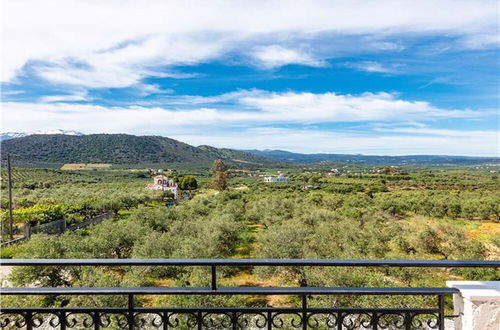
pixel 384 77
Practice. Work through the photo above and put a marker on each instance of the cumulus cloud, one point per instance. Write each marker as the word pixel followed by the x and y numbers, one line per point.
pixel 95 45
pixel 332 107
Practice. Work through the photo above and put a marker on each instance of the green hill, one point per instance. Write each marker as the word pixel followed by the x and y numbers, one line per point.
pixel 118 149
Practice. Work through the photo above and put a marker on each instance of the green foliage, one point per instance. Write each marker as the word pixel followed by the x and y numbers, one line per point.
pixel 416 215
pixel 188 182
pixel 116 149
pixel 40 213
pixel 7 252
pixel 220 175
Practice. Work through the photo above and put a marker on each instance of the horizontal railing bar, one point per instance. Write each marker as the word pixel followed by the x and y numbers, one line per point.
pixel 228 291
pixel 251 262
pixel 212 309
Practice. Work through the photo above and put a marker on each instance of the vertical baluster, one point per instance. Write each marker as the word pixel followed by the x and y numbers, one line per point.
pixel 269 321
pixel 234 318
pixel 62 320
pixel 214 277
pixel 130 316
pixel 29 321
pixel 164 316
pixel 375 319
pixel 304 312
pixel 408 321
pixel 97 320
pixel 199 320
pixel 441 311
pixel 340 319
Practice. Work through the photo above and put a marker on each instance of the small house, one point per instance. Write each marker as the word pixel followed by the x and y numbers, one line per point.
pixel 163 183
pixel 279 178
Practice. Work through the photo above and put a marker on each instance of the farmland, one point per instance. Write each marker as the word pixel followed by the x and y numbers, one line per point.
pixel 358 212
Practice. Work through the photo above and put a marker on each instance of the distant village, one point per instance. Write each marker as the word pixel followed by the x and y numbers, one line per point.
pixel 163 182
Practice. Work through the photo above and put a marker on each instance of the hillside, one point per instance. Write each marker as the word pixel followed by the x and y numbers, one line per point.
pixel 118 149
pixel 130 149
pixel 235 155
pixel 287 156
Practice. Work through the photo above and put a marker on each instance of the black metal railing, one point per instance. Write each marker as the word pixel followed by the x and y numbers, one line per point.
pixel 302 317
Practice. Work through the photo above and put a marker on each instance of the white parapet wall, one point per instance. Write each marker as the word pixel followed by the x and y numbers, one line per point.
pixel 477 305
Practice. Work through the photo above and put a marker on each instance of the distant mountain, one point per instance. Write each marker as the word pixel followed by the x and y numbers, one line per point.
pixel 287 156
pixel 13 135
pixel 119 149
pixel 235 155
pixel 74 147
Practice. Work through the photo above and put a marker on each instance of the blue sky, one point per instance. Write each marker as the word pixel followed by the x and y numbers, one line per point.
pixel 380 77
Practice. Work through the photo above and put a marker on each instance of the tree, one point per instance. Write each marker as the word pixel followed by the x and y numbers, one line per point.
pixel 220 175
pixel 167 194
pixel 430 241
pixel 188 183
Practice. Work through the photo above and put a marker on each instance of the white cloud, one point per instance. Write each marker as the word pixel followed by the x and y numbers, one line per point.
pixel 276 56
pixel 242 107
pixel 303 107
pixel 332 107
pixel 482 41
pixel 127 65
pixel 373 66
pixel 396 124
pixel 424 130
pixel 118 43
pixel 76 96
pixel 480 143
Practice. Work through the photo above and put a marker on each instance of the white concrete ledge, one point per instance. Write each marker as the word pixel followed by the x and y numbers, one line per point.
pixel 477 304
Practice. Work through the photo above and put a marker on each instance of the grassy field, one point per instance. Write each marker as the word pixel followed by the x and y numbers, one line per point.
pixel 89 166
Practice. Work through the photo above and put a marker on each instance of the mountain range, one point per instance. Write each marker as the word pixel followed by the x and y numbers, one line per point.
pixel 13 135
pixel 287 156
pixel 59 146
pixel 119 149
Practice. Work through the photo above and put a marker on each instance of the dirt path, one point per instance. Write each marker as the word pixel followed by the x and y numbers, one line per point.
pixel 245 277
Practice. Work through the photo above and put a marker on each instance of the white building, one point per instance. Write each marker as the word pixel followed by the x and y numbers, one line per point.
pixel 161 182
pixel 279 178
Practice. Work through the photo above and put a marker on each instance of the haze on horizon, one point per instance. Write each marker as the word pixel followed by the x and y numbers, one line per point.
pixel 384 77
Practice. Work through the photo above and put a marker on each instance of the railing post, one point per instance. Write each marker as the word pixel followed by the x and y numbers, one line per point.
pixel 408 321
pixel 340 320
pixel 441 311
pixel 29 321
pixel 164 317
pixel 304 312
pixel 375 319
pixel 62 320
pixel 97 320
pixel 214 277
pixel 234 320
pixel 130 312
pixel 199 320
